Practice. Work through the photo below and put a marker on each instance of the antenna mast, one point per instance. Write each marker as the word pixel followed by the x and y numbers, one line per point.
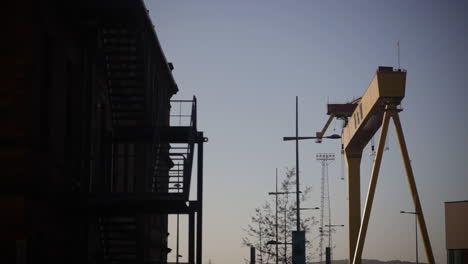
pixel 398 50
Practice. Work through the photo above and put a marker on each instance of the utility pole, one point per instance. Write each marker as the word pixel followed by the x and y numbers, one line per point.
pixel 298 214
pixel 261 255
pixel 330 243
pixel 276 216
pixel 285 219
pixel 286 231
pixel 298 236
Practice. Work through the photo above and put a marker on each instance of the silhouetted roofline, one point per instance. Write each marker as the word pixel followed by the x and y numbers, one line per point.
pixel 465 201
pixel 142 12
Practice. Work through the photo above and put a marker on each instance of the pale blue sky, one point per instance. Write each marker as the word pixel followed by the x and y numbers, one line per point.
pixel 246 60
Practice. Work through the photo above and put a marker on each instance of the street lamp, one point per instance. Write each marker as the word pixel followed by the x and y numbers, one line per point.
pixel 276 213
pixel 276 220
pixel 300 258
pixel 305 208
pixel 297 138
pixel 334 136
pixel 274 242
pixel 330 243
pixel 416 230
pixel 274 193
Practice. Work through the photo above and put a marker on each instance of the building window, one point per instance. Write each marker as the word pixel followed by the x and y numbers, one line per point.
pixel 360 110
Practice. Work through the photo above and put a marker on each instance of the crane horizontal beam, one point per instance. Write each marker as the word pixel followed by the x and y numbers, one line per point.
pixel 387 86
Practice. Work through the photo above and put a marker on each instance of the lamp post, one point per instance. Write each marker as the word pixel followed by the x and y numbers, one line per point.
pixel 330 243
pixel 276 220
pixel 416 230
pixel 274 242
pixel 305 208
pixel 297 138
pixel 276 214
pixel 299 257
pixel 334 136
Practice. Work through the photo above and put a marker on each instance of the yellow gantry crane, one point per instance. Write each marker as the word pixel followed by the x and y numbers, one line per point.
pixel 363 118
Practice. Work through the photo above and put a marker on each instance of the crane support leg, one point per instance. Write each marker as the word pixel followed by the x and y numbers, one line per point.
pixel 371 191
pixel 353 161
pixel 392 112
pixel 412 185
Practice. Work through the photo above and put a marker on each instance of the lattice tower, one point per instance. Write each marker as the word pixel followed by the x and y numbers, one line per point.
pixel 325 210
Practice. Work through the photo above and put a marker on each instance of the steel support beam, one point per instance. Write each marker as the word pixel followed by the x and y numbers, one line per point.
pixel 353 162
pixel 199 196
pixel 412 185
pixel 392 112
pixel 191 245
pixel 371 191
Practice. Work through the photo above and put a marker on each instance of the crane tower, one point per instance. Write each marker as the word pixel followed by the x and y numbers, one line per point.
pixel 363 118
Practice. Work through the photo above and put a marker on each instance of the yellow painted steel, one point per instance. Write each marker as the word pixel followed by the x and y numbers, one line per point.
pixel 414 190
pixel 366 119
pixel 321 133
pixel 371 191
pixel 392 112
pixel 353 162
pixel 377 106
pixel 385 87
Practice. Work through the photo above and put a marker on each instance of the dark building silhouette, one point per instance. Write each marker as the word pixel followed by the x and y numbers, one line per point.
pixel 93 160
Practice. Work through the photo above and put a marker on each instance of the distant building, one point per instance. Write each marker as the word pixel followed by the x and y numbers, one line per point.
pixel 456 231
pixel 92 160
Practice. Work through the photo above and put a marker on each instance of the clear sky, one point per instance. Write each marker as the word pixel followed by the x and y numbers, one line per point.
pixel 246 60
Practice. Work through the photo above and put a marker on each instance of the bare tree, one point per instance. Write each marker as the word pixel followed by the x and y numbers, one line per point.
pixel 262 227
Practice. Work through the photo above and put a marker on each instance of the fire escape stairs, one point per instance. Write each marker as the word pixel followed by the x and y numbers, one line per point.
pixel 123 62
pixel 125 79
pixel 123 66
pixel 119 239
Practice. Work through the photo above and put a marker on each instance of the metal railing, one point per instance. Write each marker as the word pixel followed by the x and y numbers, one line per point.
pixel 181 115
pixel 178 176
